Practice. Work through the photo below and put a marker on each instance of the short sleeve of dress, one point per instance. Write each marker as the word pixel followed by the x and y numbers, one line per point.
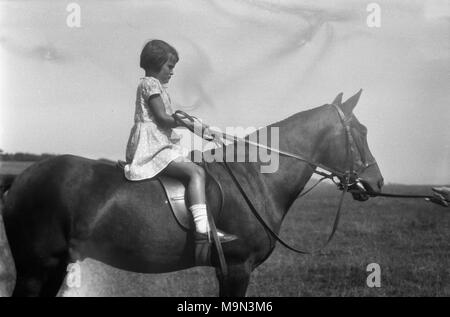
pixel 150 86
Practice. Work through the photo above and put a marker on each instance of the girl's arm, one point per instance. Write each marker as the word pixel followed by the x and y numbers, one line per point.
pixel 159 112
pixel 162 118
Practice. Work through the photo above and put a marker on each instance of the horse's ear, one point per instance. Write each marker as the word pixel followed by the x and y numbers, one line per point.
pixel 338 100
pixel 351 103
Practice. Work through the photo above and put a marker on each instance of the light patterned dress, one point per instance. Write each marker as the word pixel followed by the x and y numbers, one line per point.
pixel 150 147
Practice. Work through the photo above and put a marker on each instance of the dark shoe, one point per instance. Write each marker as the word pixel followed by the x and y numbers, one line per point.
pixel 223 237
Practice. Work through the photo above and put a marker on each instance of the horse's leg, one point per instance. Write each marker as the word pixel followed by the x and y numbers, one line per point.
pixel 55 279
pixel 36 279
pixel 236 282
pixel 28 283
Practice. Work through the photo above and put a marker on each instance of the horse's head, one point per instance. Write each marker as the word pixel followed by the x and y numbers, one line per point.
pixel 347 150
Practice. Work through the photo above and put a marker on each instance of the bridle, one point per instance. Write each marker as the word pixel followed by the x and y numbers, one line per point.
pixel 346 178
pixel 353 149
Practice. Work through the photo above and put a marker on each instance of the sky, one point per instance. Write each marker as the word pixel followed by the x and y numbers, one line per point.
pixel 242 63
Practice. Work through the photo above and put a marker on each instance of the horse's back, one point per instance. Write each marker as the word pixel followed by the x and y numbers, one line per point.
pixel 78 188
pixel 54 180
pixel 87 206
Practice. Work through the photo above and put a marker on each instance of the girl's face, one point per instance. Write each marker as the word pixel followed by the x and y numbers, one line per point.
pixel 166 71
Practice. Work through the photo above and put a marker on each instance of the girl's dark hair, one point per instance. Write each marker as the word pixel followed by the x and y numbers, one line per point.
pixel 155 54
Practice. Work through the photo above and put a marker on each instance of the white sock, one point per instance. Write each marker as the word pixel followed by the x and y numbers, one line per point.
pixel 200 217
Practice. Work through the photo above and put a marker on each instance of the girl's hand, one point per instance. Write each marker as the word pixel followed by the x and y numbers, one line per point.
pixel 189 124
pixel 202 130
pixel 195 125
pixel 184 123
pixel 208 135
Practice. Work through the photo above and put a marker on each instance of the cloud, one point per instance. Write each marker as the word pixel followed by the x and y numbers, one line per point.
pixel 289 26
pixel 41 52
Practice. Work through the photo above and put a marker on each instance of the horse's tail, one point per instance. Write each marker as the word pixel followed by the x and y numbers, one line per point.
pixel 7 271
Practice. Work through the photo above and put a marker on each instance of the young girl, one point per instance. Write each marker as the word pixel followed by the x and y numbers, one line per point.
pixel 153 147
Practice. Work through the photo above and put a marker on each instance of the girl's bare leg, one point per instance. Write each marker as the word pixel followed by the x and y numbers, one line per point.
pixel 194 176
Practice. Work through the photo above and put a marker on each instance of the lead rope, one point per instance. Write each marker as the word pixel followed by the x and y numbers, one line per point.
pixel 375 194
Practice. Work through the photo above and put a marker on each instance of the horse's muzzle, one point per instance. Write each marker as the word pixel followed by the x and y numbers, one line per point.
pixel 360 190
pixel 370 181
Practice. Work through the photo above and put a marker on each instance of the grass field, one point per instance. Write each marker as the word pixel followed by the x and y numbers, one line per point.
pixel 409 239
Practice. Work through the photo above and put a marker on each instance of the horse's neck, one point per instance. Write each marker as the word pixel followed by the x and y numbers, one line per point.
pixel 299 134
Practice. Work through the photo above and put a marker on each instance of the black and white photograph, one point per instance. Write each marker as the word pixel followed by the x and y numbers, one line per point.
pixel 191 149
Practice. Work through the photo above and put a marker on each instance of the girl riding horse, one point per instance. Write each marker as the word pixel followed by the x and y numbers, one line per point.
pixel 153 147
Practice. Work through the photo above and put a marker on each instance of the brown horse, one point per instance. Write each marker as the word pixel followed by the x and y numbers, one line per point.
pixel 68 208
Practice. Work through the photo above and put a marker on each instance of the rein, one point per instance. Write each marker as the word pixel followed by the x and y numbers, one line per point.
pixel 346 178
pixel 222 135
pixel 274 234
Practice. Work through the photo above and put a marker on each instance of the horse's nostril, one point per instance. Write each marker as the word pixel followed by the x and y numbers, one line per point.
pixel 380 183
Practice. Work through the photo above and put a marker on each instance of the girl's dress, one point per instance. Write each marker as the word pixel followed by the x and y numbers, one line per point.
pixel 150 147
